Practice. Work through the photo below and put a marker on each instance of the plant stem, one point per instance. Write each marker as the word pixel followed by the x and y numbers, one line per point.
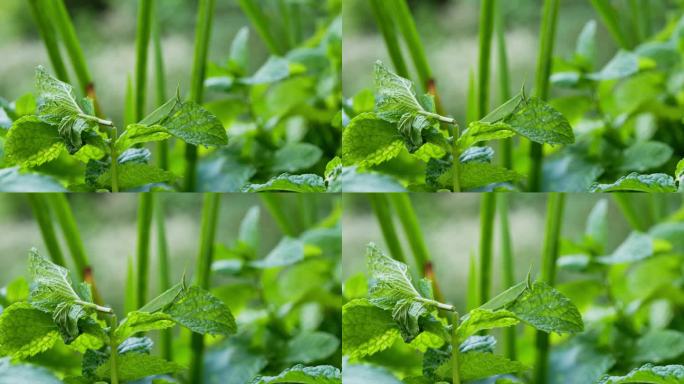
pixel 385 23
pixel 456 166
pixel 611 19
pixel 626 205
pixel 160 81
pixel 383 212
pixel 205 16
pixel 165 341
pixel 47 33
pixel 284 10
pixel 114 155
pixel 472 301
pixel 142 42
pixel 407 27
pixel 544 66
pixel 113 350
pixel 275 208
pixel 487 216
pixel 441 118
pixel 210 210
pixel 506 145
pixel 41 211
pixel 554 221
pixel 261 24
pixel 508 269
pixel 145 209
pixel 486 33
pixel 455 346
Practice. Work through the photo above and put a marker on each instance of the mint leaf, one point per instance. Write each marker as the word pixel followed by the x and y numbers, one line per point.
pixel 51 284
pixel 635 182
pixel 541 123
pixel 139 134
pixel 137 322
pixel 294 157
pixel 134 175
pixel 288 251
pixel 369 141
pixel 25 373
pixel 481 319
pixel 546 309
pixel 67 316
pixel 480 131
pixel 394 95
pixel 322 374
pixel 624 64
pixel 31 143
pixel 56 99
pixel 26 331
pixel 201 312
pixel 289 183
pixel 195 125
pixel 637 246
pixel 659 345
pixel 478 175
pixel 135 366
pixel 650 374
pixel 480 365
pixel 12 180
pixel 478 343
pixel 308 347
pixel 646 155
pixel 366 329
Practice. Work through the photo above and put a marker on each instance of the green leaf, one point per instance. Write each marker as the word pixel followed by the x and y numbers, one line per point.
pixel 351 181
pixel 25 373
pixel 67 316
pixel 51 285
pixel 478 343
pixel 637 246
pixel 646 155
pixel 504 111
pixel 366 373
pixel 290 183
pixel 133 175
pixel 394 95
pixel 74 130
pixel 12 180
pixel 163 112
pixel 624 64
pixel 288 251
pixel 369 141
pixel 296 157
pixel 411 127
pixel 505 298
pixel 275 69
pixel 579 361
pixel 649 374
pixel 477 155
pixel 546 309
pixel 26 331
pixel 201 312
pixel 164 300
pixel 366 329
pixel 195 125
pixel 478 175
pixel 31 143
pixel 140 134
pixel 135 366
pixel 250 228
pixel 541 123
pixel 322 374
pixel 634 182
pixel 56 99
pixel 137 322
pixel 481 319
pixel 480 131
pixel 658 346
pixel 480 365
pixel 308 347
pixel 239 52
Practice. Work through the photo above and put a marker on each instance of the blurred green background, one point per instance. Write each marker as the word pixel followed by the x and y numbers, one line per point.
pixel 451 227
pixel 107 225
pixel 449 30
pixel 106 29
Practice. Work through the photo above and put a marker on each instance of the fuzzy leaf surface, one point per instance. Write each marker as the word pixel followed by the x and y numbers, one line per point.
pixel 201 312
pixel 366 329
pixel 31 142
pixel 322 374
pixel 369 141
pixel 26 331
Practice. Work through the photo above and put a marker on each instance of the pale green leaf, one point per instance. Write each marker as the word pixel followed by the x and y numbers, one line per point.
pixel 478 175
pixel 637 246
pixel 31 143
pixel 56 99
pixel 290 183
pixel 480 131
pixel 369 141
pixel 12 180
pixel 307 347
pixel 481 319
pixel 25 373
pixel 137 322
pixel 51 284
pixel 645 155
pixel 394 95
pixel 288 251
pixel 140 134
pixel 649 374
pixel 624 64
pixel 659 345
pixel 135 366
pixel 201 312
pixel 480 365
pixel 546 309
pixel 133 175
pixel 195 125
pixel 26 331
pixel 634 182
pixel 299 374
pixel 541 123
pixel 296 157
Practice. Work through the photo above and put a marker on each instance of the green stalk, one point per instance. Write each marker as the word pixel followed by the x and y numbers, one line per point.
pixel 47 33
pixel 160 82
pixel 508 270
pixel 142 43
pixel 381 206
pixel 656 205
pixel 205 16
pixel 637 21
pixel 455 345
pixel 472 301
pixel 544 64
pixel 385 23
pixel 297 27
pixel 114 155
pixel 554 221
pixel 145 208
pixel 210 210
pixel 626 205
pixel 261 24
pixel 487 216
pixel 646 22
pixel 41 212
pixel 486 33
pixel 275 208
pixel 456 167
pixel 407 27
pixel 506 145
pixel 165 341
pixel 284 10
pixel 68 33
pixel 114 350
pixel 611 19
